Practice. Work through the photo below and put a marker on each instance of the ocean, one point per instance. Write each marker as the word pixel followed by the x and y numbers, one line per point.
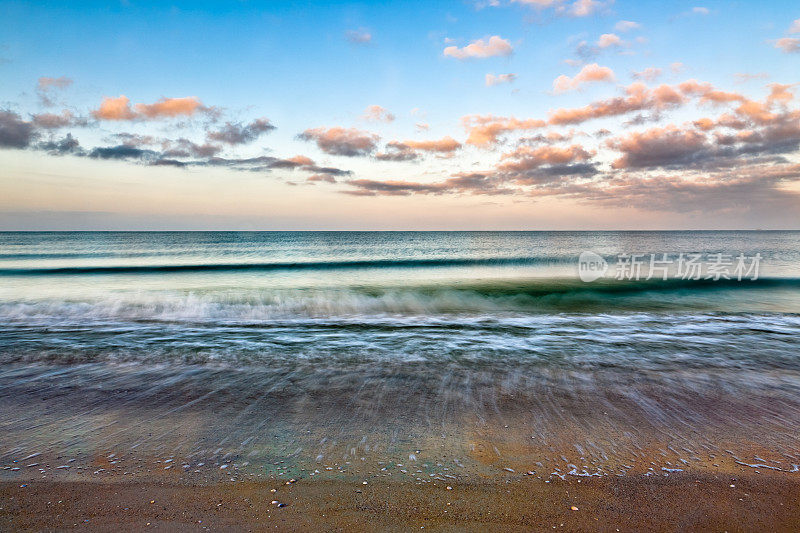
pixel 469 352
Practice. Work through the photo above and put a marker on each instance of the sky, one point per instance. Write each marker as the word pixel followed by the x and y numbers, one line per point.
pixel 464 115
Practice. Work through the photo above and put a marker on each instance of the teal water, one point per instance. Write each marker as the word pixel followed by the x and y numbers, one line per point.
pixel 249 298
pixel 293 346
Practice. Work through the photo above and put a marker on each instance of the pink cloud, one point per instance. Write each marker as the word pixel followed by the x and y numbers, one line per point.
pixel 494 46
pixel 120 108
pixel 608 40
pixel 115 109
pixel 592 73
pixel 485 130
pixel 789 45
pixel 170 107
pixel 638 97
pixel 527 157
pixel 408 150
pixel 376 113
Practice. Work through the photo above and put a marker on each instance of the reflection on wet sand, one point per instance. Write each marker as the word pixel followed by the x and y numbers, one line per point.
pixel 417 422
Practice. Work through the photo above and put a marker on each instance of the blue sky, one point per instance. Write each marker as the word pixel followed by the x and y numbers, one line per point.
pixel 316 67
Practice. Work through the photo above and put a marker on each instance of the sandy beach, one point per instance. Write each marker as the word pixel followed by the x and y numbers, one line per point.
pixel 743 501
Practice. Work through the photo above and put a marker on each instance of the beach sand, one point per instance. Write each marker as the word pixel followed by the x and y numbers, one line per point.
pixel 729 501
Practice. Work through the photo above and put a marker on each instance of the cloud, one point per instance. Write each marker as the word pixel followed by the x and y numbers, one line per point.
pixel 66 145
pixel 45 87
pixel 589 74
pixel 394 152
pixel 422 126
pixel 122 151
pixel 238 133
pixel 495 46
pixel 409 150
pixel 45 83
pixel 485 130
pixel 360 36
pixel 376 113
pixel 742 77
pixel 492 80
pixel 649 74
pixel 120 108
pixel 267 163
pixel 657 147
pixel 526 158
pixel 626 25
pixel 584 8
pixel 445 144
pixel 608 40
pixel 755 188
pixel 699 10
pixel 795 27
pixel 169 163
pixel 185 148
pixel 788 45
pixel 177 148
pixel 576 8
pixel 52 121
pixel 474 183
pixel 676 67
pixel 321 177
pixel 170 107
pixel 15 132
pixel 115 109
pixel 342 141
pixel 637 97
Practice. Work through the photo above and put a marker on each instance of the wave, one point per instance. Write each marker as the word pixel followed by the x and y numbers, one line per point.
pixel 268 266
pixel 520 297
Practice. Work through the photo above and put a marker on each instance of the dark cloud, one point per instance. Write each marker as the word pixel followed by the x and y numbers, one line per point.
pixel 237 133
pixel 168 163
pixel 15 132
pixel 328 171
pixel 122 151
pixel 66 145
pixel 184 148
pixel 473 183
pixel 177 148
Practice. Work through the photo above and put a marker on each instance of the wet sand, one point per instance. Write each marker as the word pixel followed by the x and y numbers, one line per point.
pixel 92 447
pixel 731 501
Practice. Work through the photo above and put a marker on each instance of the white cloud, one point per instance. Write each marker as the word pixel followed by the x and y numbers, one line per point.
pixel 491 79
